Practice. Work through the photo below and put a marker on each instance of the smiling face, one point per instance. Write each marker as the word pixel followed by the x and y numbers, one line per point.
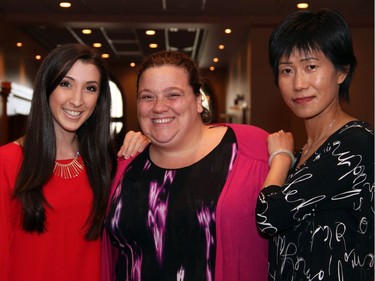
pixel 309 83
pixel 168 110
pixel 73 101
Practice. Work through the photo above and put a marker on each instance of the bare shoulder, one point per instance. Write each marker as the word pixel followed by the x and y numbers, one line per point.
pixel 218 130
pixel 19 141
pixel 214 134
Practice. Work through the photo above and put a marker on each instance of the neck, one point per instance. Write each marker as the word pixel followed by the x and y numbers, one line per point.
pixel 67 148
pixel 176 154
pixel 190 151
pixel 325 131
pixel 322 124
pixel 319 130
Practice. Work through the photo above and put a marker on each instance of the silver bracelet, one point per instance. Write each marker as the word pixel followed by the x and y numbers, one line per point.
pixel 273 154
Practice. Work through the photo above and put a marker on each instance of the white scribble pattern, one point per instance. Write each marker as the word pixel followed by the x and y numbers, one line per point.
pixel 321 222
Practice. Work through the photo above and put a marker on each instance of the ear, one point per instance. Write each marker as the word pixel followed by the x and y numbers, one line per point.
pixel 199 100
pixel 342 73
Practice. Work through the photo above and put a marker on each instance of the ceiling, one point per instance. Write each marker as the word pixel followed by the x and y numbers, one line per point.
pixel 193 26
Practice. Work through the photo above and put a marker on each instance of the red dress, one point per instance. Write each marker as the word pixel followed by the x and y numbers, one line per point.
pixel 60 253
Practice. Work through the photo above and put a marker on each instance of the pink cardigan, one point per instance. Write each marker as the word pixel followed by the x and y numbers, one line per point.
pixel 241 254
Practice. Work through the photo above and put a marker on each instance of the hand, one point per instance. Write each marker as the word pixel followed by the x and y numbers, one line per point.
pixel 134 142
pixel 281 162
pixel 280 140
pixel 281 146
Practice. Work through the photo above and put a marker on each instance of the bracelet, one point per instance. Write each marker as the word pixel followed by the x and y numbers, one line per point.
pixel 273 154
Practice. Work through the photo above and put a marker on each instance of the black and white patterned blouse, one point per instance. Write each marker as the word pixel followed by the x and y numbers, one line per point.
pixel 321 222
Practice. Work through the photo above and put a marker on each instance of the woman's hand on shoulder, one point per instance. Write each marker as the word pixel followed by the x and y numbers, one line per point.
pixel 134 142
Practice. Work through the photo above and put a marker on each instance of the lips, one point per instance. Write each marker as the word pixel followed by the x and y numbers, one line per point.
pixel 162 120
pixel 72 113
pixel 302 100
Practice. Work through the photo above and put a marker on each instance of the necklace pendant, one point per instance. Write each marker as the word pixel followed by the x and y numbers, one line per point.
pixel 69 170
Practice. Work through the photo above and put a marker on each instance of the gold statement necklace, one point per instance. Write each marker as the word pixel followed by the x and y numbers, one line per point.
pixel 308 146
pixel 69 170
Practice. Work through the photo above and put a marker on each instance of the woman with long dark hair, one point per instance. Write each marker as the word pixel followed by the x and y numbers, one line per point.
pixel 54 181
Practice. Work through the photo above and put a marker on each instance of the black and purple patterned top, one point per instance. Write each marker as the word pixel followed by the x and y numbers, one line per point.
pixel 163 220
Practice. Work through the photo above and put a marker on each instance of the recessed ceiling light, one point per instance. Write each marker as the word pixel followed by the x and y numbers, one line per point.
pixel 221 47
pixel 86 31
pixel 19 44
pixel 97 45
pixel 150 32
pixel 153 45
pixel 215 59
pixel 105 56
pixel 302 5
pixel 65 4
pixel 132 64
pixel 228 30
pixel 38 57
pixel 212 68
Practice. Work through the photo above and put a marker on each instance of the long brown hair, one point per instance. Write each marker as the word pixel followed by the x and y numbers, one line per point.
pixel 39 145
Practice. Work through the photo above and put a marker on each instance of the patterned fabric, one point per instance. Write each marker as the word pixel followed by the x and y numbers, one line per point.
pixel 322 220
pixel 241 253
pixel 163 220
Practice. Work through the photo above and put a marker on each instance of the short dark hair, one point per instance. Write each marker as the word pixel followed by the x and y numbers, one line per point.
pixel 326 31
pixel 182 60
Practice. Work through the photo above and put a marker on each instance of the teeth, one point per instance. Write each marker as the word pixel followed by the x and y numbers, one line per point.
pixel 162 120
pixel 73 113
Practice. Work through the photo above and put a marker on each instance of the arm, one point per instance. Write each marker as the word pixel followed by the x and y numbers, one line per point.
pixel 134 142
pixel 333 178
pixel 277 144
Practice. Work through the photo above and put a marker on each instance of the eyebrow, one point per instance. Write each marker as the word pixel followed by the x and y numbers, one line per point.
pixel 146 90
pixel 87 82
pixel 301 60
pixel 309 58
pixel 163 90
pixel 174 88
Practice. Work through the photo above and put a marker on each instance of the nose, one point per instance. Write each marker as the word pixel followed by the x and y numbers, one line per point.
pixel 76 98
pixel 160 105
pixel 300 81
